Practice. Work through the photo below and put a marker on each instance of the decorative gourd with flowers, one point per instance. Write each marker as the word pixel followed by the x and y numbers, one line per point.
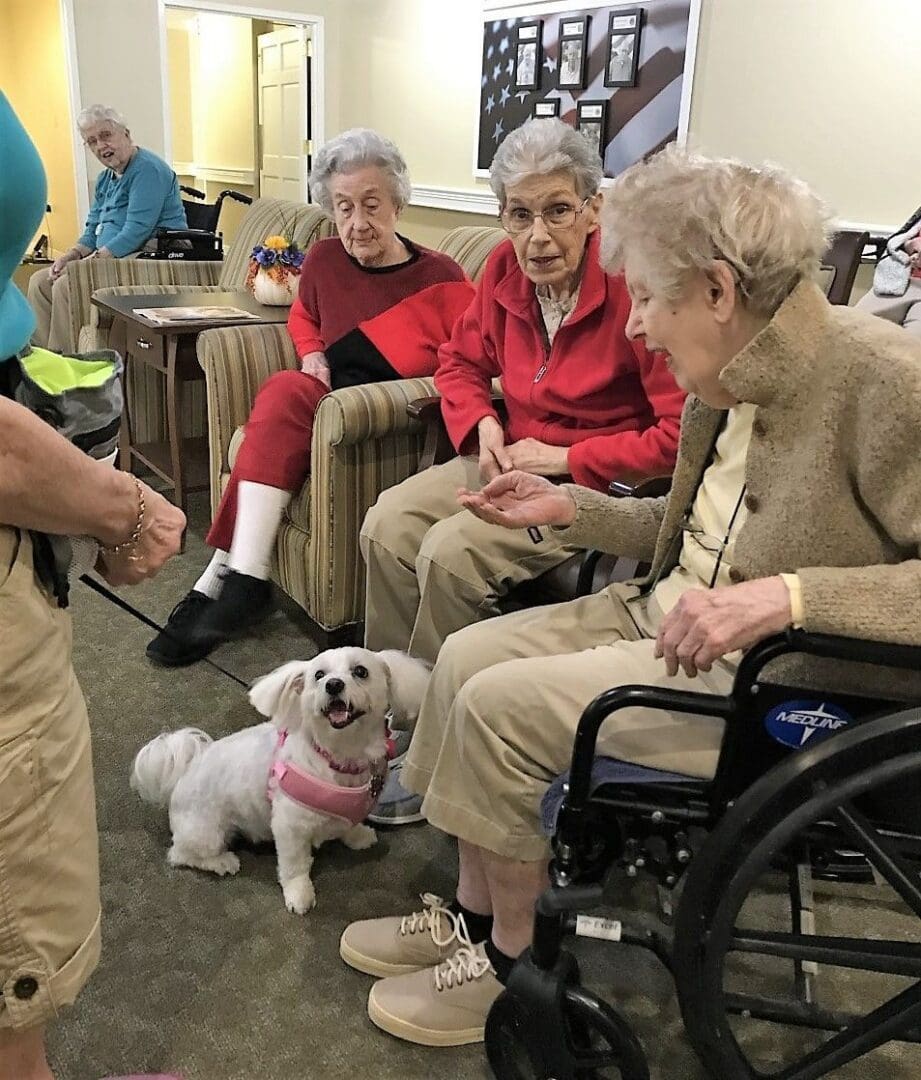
pixel 274 271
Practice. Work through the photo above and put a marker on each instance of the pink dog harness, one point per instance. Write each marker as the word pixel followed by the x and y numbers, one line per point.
pixel 349 804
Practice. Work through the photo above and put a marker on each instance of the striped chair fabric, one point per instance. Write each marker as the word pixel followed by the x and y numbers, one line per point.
pixel 363 442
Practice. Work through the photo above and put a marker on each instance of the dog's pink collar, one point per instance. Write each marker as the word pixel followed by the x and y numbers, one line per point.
pixel 348 804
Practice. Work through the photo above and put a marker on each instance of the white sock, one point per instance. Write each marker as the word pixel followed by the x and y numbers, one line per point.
pixel 210 581
pixel 259 511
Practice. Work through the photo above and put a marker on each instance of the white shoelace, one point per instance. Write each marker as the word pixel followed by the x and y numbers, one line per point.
pixel 428 919
pixel 465 964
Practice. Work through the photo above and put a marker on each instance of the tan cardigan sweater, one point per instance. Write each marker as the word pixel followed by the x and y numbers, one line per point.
pixel 833 472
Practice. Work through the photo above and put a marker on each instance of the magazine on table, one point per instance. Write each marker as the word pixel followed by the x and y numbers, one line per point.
pixel 161 315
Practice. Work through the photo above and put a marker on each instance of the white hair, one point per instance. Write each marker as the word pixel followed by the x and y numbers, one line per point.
pixel 100 114
pixel 353 150
pixel 543 146
pixel 677 213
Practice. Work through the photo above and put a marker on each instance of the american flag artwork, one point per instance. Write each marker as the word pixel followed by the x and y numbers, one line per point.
pixel 640 119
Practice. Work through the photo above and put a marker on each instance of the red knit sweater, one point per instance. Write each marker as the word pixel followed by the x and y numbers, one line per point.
pixel 376 323
pixel 609 399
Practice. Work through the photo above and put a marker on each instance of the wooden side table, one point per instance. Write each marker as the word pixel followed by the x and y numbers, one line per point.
pixel 169 348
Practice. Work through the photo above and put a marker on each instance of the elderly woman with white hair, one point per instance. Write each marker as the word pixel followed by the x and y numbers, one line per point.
pixel 796 502
pixel 372 306
pixel 136 194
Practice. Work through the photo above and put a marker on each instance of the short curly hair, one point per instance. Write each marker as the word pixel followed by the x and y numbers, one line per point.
pixel 678 212
pixel 542 146
pixel 355 149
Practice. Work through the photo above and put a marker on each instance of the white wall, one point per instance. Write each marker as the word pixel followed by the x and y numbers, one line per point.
pixel 826 87
pixel 829 88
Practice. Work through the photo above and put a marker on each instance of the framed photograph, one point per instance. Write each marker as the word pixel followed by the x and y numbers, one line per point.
pixel 551 107
pixel 573 52
pixel 528 55
pixel 591 121
pixel 623 47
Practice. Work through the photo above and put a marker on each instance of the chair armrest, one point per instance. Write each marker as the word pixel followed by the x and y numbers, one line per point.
pixel 86 276
pixel 356 414
pixel 236 361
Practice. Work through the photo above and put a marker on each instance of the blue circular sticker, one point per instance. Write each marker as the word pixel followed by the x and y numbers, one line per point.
pixel 800 723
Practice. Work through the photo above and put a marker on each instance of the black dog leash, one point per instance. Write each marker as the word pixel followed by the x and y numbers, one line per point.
pixel 98 587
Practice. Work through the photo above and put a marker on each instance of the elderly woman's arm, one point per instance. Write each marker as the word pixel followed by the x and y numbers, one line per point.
pixel 467 364
pixel 633 455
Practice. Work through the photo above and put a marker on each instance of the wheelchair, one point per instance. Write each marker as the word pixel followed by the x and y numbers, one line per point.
pixel 813 791
pixel 200 241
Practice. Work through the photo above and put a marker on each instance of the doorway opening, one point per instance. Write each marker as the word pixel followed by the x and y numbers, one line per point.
pixel 243 91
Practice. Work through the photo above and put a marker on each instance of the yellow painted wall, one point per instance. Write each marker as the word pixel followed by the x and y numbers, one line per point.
pixel 33 74
pixel 223 87
pixel 179 60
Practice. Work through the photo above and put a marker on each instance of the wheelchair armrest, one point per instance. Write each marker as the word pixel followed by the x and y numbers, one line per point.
pixel 182 234
pixel 830 646
pixel 438 448
pixel 653 488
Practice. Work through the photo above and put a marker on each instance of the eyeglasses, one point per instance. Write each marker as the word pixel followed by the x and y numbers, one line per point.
pixel 94 140
pixel 519 219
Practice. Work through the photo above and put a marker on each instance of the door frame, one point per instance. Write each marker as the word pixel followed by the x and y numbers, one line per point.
pixel 314 122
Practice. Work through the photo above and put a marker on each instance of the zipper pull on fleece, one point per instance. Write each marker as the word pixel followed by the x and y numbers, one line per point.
pixel 541 372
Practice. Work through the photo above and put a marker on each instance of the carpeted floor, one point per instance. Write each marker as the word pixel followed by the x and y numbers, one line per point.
pixel 214 979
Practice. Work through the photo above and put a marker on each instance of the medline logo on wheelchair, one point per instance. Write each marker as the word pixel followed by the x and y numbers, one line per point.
pixel 796 723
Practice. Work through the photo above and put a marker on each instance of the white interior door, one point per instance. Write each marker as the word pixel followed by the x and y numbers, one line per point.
pixel 282 113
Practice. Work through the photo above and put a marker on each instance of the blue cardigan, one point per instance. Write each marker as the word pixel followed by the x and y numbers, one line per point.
pixel 22 203
pixel 127 209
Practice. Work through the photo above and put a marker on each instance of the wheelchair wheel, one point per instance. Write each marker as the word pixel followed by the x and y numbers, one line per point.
pixel 742 969
pixel 591 1042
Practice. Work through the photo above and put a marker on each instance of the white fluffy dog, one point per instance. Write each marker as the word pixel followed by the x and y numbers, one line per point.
pixel 332 709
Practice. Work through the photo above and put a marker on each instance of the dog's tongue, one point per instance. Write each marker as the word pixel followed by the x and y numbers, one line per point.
pixel 338 711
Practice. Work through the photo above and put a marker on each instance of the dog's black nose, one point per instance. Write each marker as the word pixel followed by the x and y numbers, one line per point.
pixel 334 687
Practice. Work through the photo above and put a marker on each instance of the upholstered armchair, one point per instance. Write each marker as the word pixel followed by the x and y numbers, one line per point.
pixel 90 327
pixel 364 440
pixel 157 277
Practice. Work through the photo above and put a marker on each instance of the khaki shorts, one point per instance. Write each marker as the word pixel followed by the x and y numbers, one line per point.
pixel 49 864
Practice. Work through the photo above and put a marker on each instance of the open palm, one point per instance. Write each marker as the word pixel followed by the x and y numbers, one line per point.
pixel 518 500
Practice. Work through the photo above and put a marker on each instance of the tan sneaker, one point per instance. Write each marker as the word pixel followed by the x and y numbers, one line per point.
pixel 445 1005
pixel 400 944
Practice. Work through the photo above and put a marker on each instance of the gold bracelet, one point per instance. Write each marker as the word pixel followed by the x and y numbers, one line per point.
pixel 133 539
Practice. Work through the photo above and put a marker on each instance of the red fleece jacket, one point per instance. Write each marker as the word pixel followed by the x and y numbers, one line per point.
pixel 611 401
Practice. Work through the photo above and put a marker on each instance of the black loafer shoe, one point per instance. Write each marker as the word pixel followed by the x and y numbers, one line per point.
pixel 176 645
pixel 242 602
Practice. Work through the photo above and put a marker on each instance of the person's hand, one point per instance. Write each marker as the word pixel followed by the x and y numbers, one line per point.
pixel 60 265
pixel 518 500
pixel 706 624
pixel 316 364
pixel 534 456
pixel 494 457
pixel 160 539
pixel 103 253
pixel 913 247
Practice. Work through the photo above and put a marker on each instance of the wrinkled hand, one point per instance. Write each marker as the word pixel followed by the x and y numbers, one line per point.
pixel 494 458
pixel 59 266
pixel 913 247
pixel 518 500
pixel 534 456
pixel 103 253
pixel 706 624
pixel 316 364
pixel 161 536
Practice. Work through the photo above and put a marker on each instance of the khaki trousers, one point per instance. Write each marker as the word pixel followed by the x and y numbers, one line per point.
pixel 433 567
pixel 49 866
pixel 50 301
pixel 498 721
pixel 903 310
